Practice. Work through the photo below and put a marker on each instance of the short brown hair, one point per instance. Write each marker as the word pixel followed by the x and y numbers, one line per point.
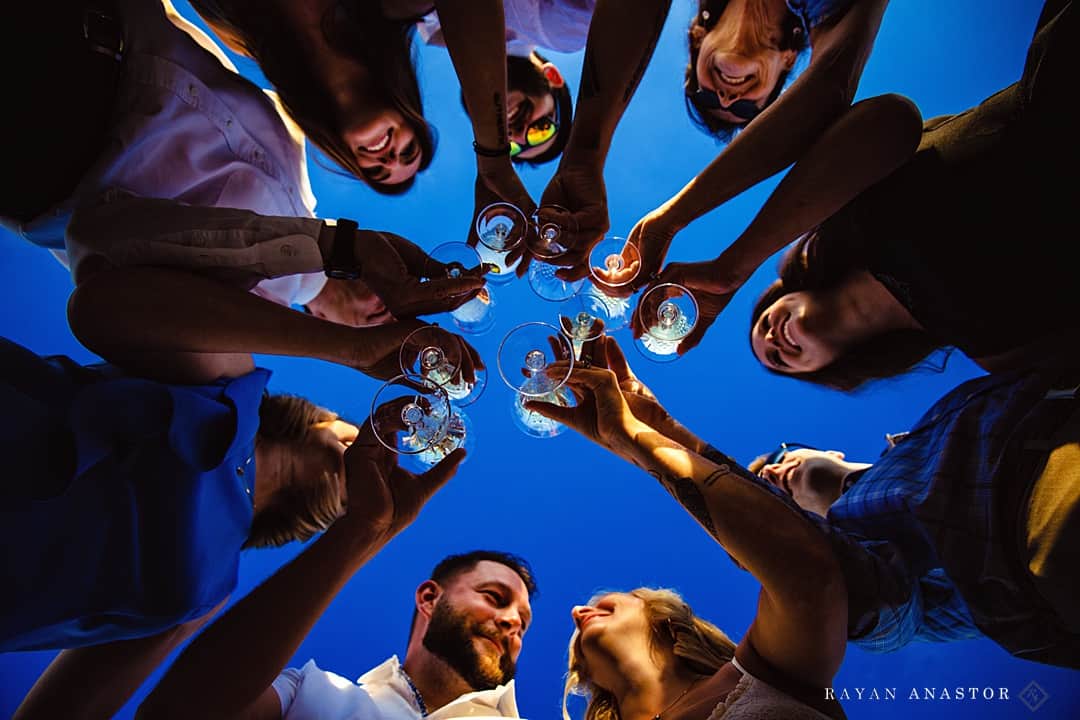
pixel 304 506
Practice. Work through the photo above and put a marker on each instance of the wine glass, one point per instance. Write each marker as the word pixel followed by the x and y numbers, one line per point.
pixel 545 241
pixel 535 360
pixel 414 418
pixel 443 358
pixel 585 317
pixel 615 262
pixel 452 260
pixel 501 227
pixel 668 313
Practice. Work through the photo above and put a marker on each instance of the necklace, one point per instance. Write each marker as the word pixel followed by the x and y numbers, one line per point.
pixel 416 693
pixel 660 715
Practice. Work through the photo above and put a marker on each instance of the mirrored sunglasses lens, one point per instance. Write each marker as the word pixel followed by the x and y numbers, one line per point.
pixel 705 100
pixel 515 149
pixel 540 132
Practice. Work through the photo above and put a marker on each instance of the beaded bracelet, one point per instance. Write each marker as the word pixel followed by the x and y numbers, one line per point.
pixel 502 151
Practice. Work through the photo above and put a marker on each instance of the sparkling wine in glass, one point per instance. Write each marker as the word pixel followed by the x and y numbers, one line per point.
pixel 446 360
pixel 501 228
pixel 453 260
pixel 546 243
pixel 414 418
pixel 668 313
pixel 535 360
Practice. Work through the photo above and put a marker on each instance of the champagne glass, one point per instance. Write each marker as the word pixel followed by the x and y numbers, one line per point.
pixel 414 418
pixel 501 227
pixel 585 317
pixel 545 241
pixel 668 313
pixel 615 262
pixel 444 359
pixel 452 260
pixel 535 360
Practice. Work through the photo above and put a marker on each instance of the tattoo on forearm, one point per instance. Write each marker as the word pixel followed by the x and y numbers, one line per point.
pixel 725 464
pixel 643 61
pixel 500 118
pixel 687 494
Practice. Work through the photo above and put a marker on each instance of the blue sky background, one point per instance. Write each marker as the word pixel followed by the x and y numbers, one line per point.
pixel 586 520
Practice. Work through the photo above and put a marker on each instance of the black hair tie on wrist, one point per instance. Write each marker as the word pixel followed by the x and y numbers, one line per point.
pixel 503 151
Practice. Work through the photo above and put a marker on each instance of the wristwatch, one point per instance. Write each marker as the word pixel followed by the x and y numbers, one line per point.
pixel 342 264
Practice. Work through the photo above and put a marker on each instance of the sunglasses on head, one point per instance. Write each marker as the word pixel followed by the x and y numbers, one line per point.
pixel 707 100
pixel 783 449
pixel 537 133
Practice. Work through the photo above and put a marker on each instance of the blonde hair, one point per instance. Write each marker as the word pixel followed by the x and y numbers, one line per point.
pixel 701 647
pixel 303 506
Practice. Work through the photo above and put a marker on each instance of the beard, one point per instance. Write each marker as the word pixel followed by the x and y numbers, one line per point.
pixel 450 636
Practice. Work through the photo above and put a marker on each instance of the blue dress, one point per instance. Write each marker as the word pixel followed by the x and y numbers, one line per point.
pixel 125 502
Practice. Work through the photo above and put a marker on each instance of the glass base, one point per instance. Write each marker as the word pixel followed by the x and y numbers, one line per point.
pixel 459 433
pixel 477 316
pixel 658 349
pixel 544 283
pixel 503 273
pixel 534 424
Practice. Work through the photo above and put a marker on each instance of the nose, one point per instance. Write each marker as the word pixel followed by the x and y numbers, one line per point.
pixel 580 612
pixel 509 620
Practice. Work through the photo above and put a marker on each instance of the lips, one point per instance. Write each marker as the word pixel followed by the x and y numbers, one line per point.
pixel 735 79
pixel 785 332
pixel 381 145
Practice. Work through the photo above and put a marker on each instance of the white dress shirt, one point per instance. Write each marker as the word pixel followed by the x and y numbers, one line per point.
pixel 189 128
pixel 382 693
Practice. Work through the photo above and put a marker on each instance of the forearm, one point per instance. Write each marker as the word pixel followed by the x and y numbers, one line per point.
pixel 789 560
pixel 135 310
pixel 864 145
pixel 238 245
pixel 262 631
pixel 96 681
pixel 475 35
pixel 622 38
pixel 786 129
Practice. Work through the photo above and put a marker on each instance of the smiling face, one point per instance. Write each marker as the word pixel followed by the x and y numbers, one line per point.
pixel 384 145
pixel 610 631
pixel 740 59
pixel 530 100
pixel 478 622
pixel 785 337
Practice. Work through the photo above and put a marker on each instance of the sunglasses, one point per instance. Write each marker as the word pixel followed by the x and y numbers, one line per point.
pixel 707 100
pixel 537 133
pixel 783 449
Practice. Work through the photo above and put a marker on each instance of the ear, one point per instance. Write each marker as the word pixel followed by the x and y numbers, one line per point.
pixel 427 595
pixel 789 58
pixel 552 75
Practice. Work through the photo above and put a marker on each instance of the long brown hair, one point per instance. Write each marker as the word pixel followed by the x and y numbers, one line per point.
pixel 792 37
pixel 354 28
pixel 822 260
pixel 701 647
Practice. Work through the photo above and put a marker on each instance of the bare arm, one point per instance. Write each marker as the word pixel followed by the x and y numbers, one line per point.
pixel 801 622
pixel 96 681
pixel 622 38
pixel 867 143
pixel 786 130
pixel 475 35
pixel 175 326
pixel 262 631
pixel 801 625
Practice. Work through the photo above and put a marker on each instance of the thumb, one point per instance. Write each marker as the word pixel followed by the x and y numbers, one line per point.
pixel 436 477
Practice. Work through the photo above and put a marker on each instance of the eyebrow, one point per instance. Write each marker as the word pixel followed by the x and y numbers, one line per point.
pixel 525 612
